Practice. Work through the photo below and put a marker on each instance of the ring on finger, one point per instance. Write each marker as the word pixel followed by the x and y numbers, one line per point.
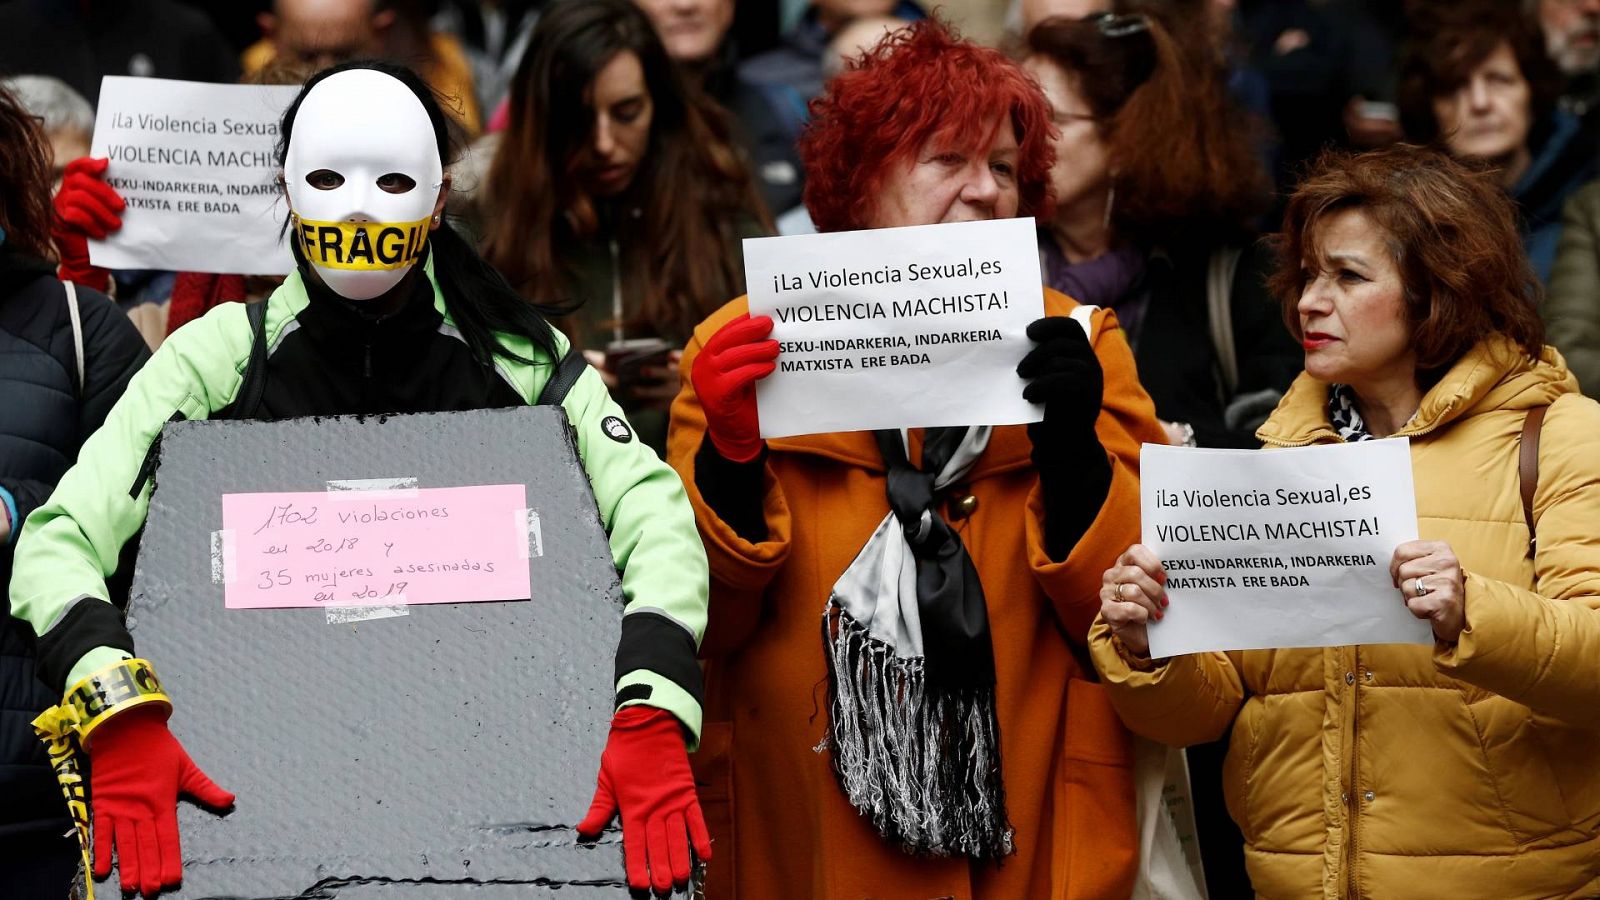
pixel 1120 586
pixel 1421 588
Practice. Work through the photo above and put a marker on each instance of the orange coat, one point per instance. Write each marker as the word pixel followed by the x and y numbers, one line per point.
pixel 781 825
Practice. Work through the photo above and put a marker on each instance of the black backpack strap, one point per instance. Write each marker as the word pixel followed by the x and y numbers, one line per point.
pixel 254 384
pixel 566 374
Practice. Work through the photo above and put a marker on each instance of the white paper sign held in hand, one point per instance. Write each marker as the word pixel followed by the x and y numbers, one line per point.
pixel 196 165
pixel 896 327
pixel 1279 548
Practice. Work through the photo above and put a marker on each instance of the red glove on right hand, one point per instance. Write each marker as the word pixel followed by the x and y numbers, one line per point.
pixel 724 377
pixel 645 777
pixel 136 771
pixel 86 207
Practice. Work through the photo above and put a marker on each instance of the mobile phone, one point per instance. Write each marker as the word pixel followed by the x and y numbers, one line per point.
pixel 1373 109
pixel 626 358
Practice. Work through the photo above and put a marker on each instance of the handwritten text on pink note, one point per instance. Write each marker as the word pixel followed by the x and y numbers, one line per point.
pixel 376 548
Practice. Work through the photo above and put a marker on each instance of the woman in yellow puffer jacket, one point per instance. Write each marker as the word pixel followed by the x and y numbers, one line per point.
pixel 1470 768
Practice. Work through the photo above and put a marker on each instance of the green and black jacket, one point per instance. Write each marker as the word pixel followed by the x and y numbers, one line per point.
pixel 324 357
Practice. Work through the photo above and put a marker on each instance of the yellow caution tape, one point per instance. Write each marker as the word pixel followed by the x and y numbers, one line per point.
pixel 362 245
pixel 66 728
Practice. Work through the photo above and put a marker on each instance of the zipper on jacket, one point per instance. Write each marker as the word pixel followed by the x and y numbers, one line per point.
pixel 1353 811
pixel 367 393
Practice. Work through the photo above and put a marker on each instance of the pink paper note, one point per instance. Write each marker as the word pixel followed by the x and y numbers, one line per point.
pixel 374 548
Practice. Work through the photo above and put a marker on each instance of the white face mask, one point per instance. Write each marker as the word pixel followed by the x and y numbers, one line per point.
pixel 363 175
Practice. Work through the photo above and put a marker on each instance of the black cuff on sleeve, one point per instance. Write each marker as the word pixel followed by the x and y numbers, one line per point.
pixel 90 623
pixel 733 490
pixel 655 643
pixel 1074 486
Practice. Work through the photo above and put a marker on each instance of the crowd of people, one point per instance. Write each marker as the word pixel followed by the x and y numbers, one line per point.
pixel 898 663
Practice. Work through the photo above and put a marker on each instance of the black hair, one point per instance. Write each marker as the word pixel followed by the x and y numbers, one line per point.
pixel 479 299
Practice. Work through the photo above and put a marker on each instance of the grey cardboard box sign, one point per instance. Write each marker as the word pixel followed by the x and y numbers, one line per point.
pixel 444 753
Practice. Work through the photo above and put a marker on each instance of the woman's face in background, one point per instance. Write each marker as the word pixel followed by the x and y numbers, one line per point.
pixel 619 136
pixel 1081 170
pixel 1488 117
pixel 691 30
pixel 940 183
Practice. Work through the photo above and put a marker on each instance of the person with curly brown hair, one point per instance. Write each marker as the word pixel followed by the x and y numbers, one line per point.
pixel 1461 769
pixel 1475 81
pixel 1157 189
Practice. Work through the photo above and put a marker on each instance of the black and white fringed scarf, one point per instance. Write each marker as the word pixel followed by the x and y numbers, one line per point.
pixel 916 743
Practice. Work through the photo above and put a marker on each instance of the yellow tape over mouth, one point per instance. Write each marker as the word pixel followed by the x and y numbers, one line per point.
pixel 362 246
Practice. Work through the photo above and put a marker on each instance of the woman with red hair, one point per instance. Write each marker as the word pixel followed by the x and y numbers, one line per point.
pixel 980 764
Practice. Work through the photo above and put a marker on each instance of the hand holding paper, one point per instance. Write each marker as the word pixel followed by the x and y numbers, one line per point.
pixel 724 376
pixel 1132 594
pixel 197 166
pixel 1430 579
pixel 85 207
pixel 1065 376
pixel 1074 473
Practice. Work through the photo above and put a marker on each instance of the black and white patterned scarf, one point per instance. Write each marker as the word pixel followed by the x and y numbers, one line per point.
pixel 1343 416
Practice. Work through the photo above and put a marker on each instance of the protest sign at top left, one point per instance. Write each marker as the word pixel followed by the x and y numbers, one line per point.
pixel 195 163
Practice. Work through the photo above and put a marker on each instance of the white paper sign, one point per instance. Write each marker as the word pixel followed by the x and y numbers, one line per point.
pixel 1279 548
pixel 896 327
pixel 195 163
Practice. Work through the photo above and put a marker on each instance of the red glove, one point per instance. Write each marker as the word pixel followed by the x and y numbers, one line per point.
pixel 86 207
pixel 136 770
pixel 644 771
pixel 724 378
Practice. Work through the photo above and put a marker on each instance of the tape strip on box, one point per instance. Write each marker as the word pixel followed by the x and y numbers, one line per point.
pixel 530 538
pixel 372 488
pixel 224 565
pixel 345 615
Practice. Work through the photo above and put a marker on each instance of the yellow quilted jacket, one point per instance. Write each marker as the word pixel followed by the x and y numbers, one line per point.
pixel 1408 771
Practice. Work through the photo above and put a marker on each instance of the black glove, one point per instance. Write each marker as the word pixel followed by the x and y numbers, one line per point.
pixel 1074 473
pixel 735 491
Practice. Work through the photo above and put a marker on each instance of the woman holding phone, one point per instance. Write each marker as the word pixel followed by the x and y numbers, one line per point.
pixel 618 199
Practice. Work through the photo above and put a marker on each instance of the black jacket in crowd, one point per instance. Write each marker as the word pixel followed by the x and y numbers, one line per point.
pixel 1177 359
pixel 45 416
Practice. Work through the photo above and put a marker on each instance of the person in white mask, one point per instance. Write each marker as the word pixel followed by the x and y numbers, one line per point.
pixel 364 190
pixel 388 310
